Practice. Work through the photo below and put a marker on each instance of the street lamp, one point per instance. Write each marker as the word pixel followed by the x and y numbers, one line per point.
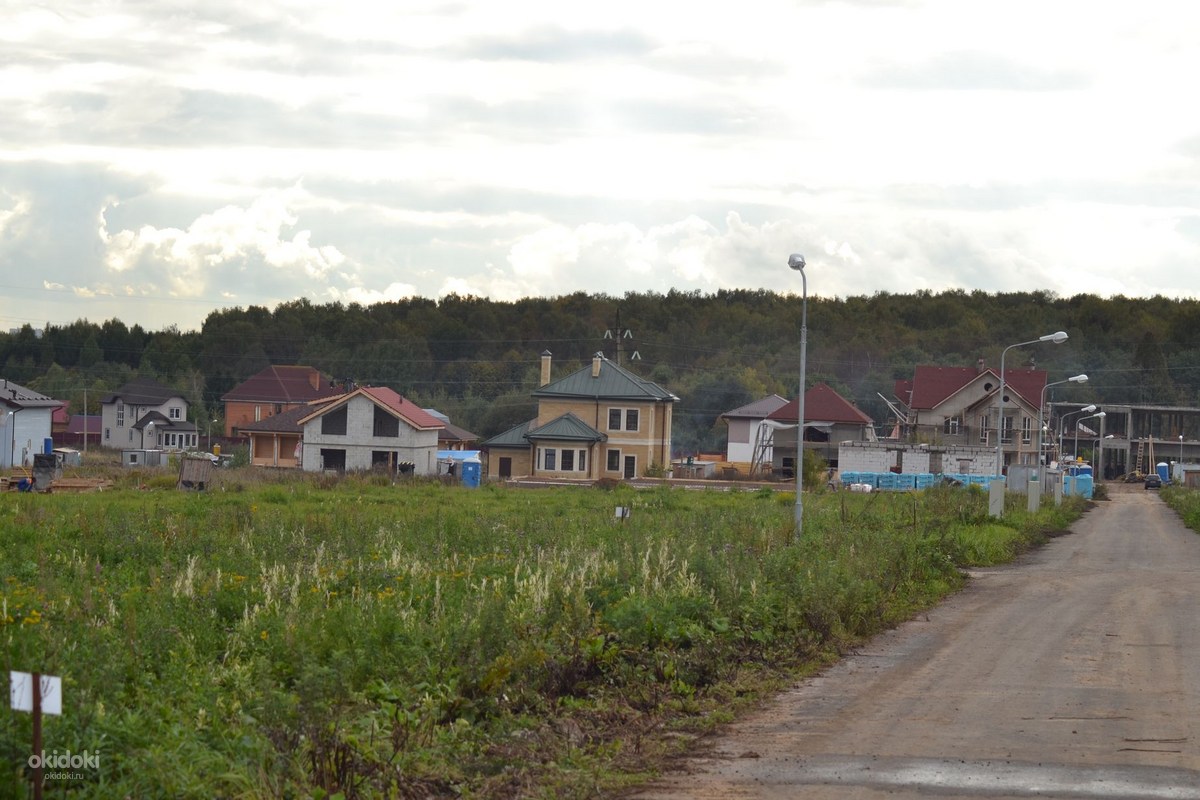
pixel 1181 455
pixel 796 262
pixel 211 422
pixel 1058 337
pixel 1099 416
pixel 1062 424
pixel 1042 405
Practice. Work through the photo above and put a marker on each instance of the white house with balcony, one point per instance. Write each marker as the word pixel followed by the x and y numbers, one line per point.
pixel 145 415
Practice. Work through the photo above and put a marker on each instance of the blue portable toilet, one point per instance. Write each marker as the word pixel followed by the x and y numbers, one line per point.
pixel 1163 471
pixel 472 470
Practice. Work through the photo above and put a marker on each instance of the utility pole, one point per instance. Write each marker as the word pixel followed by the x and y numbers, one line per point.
pixel 619 333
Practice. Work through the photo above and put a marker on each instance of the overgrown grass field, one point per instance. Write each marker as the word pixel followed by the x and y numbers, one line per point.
pixel 314 639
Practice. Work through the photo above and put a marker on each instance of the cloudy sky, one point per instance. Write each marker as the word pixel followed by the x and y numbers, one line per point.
pixel 162 158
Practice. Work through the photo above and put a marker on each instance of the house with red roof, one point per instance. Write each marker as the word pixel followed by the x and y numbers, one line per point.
pixel 829 419
pixel 958 406
pixel 272 391
pixel 367 428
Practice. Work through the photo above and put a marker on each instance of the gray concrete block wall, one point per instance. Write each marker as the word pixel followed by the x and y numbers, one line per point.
pixel 882 456
pixel 419 447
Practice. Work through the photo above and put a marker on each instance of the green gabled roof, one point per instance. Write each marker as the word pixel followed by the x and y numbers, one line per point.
pixel 613 383
pixel 569 428
pixel 513 437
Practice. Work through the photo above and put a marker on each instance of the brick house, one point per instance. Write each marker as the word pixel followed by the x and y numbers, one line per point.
pixel 369 427
pixel 601 421
pixel 272 391
pixel 958 406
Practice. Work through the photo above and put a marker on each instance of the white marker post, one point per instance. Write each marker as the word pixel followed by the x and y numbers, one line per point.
pixel 36 693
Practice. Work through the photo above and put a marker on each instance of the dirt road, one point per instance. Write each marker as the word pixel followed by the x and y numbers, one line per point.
pixel 1074 673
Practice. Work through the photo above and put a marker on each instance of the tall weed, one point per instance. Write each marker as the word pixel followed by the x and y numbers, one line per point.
pixel 376 640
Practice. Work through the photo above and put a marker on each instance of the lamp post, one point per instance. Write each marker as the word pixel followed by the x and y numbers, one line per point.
pixel 211 422
pixel 1099 416
pixel 1042 405
pixel 1058 337
pixel 796 262
pixel 1062 424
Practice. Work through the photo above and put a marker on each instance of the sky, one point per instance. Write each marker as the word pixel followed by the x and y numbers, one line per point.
pixel 161 159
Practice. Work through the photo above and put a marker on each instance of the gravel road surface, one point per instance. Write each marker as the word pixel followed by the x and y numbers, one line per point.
pixel 1073 673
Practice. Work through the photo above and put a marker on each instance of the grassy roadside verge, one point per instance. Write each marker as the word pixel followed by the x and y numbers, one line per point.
pixel 1186 504
pixel 310 640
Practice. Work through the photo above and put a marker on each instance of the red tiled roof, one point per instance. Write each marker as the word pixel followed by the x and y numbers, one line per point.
pixel 416 416
pixel 280 384
pixel 932 385
pixel 390 399
pixel 821 404
pixel 1028 383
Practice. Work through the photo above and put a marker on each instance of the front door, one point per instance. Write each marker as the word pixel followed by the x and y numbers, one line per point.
pixel 630 467
pixel 505 467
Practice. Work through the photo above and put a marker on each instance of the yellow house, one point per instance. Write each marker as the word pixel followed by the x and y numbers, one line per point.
pixel 601 421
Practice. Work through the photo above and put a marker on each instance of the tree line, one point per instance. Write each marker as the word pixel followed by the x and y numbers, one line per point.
pixel 477 360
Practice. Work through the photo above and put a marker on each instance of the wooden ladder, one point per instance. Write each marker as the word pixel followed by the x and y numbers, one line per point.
pixel 1140 455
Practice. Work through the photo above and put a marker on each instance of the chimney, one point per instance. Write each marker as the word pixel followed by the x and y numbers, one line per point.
pixel 545 368
pixel 596 359
pixel 980 365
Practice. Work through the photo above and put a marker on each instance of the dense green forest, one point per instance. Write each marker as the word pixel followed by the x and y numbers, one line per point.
pixel 477 359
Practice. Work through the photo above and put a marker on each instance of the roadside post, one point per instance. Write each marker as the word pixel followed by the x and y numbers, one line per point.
pixel 37 694
pixel 996 496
